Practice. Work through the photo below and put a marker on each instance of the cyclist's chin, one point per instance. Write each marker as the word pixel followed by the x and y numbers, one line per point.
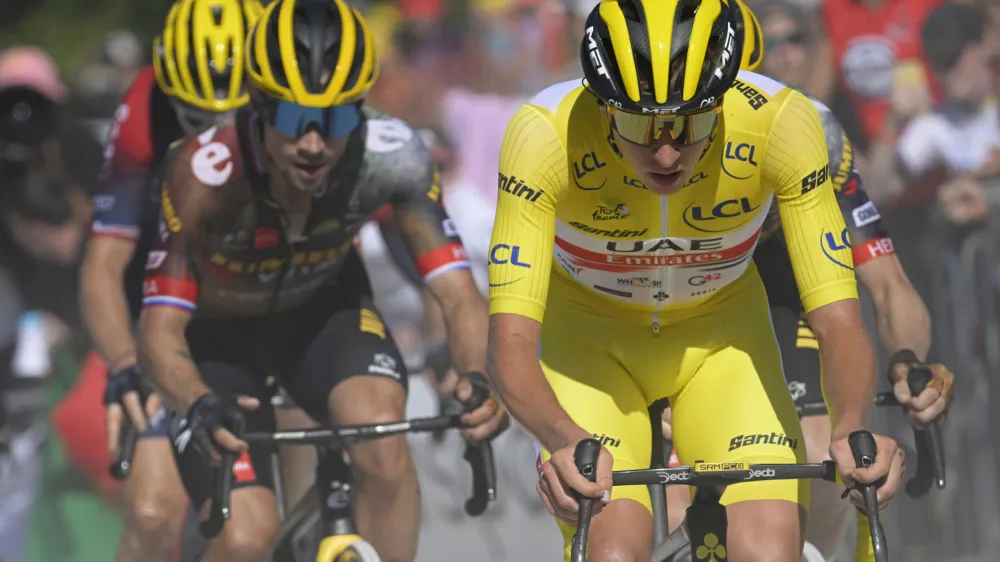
pixel 310 178
pixel 665 183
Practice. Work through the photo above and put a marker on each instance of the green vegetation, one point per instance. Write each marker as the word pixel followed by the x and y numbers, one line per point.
pixel 73 30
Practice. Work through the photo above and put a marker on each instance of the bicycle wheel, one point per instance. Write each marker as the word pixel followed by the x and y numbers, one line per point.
pixel 359 551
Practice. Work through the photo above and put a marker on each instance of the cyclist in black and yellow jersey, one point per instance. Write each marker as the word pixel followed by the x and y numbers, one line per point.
pixel 902 319
pixel 254 273
pixel 629 211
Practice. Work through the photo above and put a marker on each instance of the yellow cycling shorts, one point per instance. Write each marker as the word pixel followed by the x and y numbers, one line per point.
pixel 719 365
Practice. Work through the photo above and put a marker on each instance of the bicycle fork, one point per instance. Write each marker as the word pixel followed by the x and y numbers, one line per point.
pixel 335 489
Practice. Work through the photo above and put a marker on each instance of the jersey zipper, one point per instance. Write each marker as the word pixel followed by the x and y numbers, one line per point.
pixel 659 277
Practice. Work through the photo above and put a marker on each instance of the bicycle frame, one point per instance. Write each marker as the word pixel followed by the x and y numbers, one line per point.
pixel 332 489
pixel 329 498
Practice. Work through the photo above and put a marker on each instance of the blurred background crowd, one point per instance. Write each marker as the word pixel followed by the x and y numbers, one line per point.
pixel 913 82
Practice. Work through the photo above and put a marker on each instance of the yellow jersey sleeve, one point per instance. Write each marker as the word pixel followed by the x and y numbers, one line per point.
pixel 533 177
pixel 797 165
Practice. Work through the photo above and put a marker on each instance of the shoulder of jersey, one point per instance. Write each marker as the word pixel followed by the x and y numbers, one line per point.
pixel 568 105
pixel 131 130
pixel 394 154
pixel 216 155
pixel 754 99
pixel 386 134
pixel 558 98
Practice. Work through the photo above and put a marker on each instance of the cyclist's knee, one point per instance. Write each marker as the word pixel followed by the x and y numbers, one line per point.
pixel 154 522
pixel 386 462
pixel 765 531
pixel 249 533
pixel 622 532
pixel 154 512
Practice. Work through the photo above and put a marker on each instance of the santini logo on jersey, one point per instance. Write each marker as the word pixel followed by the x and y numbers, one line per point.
pixel 616 233
pixel 762 439
pixel 518 188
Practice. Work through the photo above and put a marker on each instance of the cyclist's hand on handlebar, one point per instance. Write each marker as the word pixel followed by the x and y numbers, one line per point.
pixel 207 420
pixel 934 401
pixel 887 471
pixel 486 421
pixel 560 478
pixel 123 394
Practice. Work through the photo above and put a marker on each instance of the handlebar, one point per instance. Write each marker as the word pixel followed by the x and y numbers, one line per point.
pixel 863 446
pixel 721 474
pixel 929 443
pixel 585 455
pixel 478 455
pixel 127 439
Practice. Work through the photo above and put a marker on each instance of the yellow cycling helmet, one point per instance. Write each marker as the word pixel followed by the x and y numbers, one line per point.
pixel 753 39
pixel 198 58
pixel 662 56
pixel 314 53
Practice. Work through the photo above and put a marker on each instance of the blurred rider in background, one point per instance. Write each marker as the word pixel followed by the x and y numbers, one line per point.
pixel 195 81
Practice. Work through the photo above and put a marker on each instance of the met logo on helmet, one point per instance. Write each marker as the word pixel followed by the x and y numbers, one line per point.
pixel 595 54
pixel 727 50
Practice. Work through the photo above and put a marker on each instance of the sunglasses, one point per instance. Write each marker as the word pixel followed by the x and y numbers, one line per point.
pixel 774 41
pixel 294 120
pixel 681 130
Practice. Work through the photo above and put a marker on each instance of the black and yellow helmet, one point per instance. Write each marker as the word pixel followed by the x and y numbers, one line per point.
pixel 753 39
pixel 198 58
pixel 314 53
pixel 662 56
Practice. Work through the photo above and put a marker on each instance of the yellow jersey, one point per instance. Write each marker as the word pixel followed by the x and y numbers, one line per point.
pixel 567 195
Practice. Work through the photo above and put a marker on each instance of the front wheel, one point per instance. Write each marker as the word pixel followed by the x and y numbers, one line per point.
pixel 359 551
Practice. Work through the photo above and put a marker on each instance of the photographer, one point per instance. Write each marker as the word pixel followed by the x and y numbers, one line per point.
pixel 46 168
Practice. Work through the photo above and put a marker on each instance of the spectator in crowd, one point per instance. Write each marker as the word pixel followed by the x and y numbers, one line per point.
pixel 961 137
pixel 876 51
pixel 789 43
pixel 48 167
pixel 102 83
pixel 797 52
pixel 45 169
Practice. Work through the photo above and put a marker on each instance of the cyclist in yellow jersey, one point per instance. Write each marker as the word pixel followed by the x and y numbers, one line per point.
pixel 902 319
pixel 639 198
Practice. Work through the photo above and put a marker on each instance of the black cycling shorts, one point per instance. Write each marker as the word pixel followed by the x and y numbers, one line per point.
pixel 799 354
pixel 336 335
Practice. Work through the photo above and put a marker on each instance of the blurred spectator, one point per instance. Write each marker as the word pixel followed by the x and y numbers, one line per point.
pixel 102 84
pixel 48 166
pixel 962 135
pixel 44 211
pixel 876 50
pixel 796 50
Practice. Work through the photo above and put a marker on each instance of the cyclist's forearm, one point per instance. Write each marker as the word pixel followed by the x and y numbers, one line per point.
pixel 467 327
pixel 902 318
pixel 434 325
pixel 848 367
pixel 520 384
pixel 903 323
pixel 106 315
pixel 165 357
